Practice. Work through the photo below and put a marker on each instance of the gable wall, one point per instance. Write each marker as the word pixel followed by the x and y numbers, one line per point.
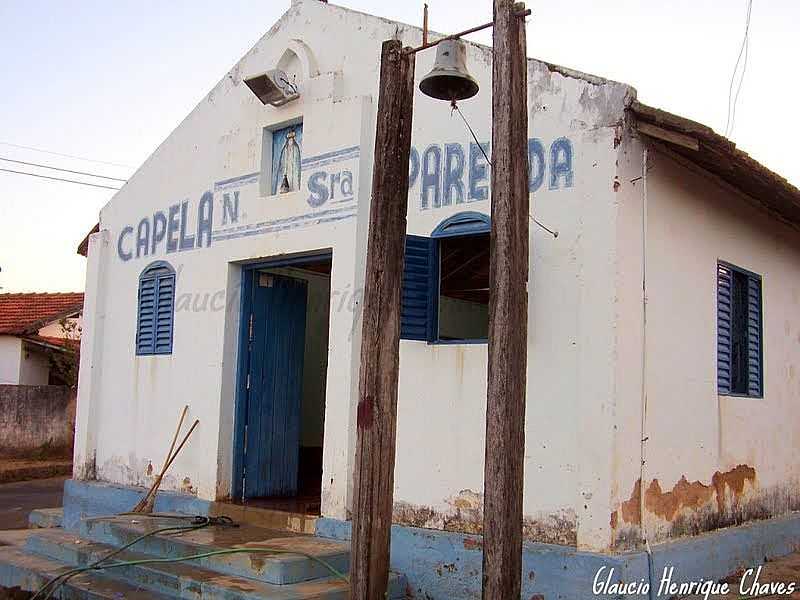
pixel 136 400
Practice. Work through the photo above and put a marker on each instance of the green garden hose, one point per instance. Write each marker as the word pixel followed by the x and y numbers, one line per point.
pixel 197 523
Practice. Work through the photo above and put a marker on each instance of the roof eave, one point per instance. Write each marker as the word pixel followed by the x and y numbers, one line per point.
pixel 719 156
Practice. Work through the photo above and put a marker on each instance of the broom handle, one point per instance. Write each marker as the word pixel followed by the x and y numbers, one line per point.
pixel 175 438
pixel 185 439
pixel 167 460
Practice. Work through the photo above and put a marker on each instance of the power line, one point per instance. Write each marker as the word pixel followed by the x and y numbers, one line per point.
pixel 30 164
pixel 732 100
pixel 97 185
pixel 102 162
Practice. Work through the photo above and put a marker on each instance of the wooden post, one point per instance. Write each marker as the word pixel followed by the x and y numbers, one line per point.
pixel 508 309
pixel 380 345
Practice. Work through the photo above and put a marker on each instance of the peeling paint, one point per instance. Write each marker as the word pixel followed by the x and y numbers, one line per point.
pixel 465 515
pixel 733 497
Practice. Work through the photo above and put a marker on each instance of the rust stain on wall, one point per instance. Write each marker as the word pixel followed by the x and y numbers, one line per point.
pixel 733 480
pixel 631 509
pixel 731 498
pixel 666 505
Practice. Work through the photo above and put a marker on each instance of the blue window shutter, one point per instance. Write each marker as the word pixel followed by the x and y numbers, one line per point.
pixel 724 281
pixel 156 309
pixel 164 314
pixel 754 362
pixel 419 289
pixel 145 328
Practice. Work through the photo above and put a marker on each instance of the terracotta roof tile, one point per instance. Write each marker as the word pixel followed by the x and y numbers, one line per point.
pixel 26 313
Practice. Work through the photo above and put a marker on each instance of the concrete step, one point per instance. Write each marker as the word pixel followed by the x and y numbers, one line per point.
pixel 45 518
pixel 29 572
pixel 186 580
pixel 281 568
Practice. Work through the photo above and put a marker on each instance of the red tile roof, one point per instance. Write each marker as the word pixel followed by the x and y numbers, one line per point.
pixel 22 314
pixel 64 343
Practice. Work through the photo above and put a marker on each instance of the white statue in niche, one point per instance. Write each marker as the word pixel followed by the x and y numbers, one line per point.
pixel 288 176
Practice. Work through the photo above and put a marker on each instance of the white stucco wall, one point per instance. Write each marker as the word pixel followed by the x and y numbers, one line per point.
pixel 10 358
pixel 22 363
pixel 735 452
pixel 55 329
pixel 128 404
pixel 34 365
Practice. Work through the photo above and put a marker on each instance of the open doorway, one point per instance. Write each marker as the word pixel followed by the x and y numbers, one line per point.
pixel 282 384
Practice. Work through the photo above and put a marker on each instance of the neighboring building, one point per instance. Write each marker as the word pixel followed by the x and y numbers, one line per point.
pixel 227 274
pixel 32 327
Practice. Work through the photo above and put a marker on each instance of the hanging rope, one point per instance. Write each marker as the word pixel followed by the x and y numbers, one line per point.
pixel 454 108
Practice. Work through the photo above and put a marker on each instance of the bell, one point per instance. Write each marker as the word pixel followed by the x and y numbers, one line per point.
pixel 449 79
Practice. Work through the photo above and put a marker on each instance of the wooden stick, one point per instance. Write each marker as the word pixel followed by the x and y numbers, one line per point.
pixel 425 25
pixel 508 310
pixel 144 502
pixel 380 345
pixel 151 497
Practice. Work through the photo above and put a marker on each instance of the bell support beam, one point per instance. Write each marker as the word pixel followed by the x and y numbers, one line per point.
pixel 521 13
pixel 373 488
pixel 508 309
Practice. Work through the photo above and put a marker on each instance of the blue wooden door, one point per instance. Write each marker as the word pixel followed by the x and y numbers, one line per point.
pixel 275 385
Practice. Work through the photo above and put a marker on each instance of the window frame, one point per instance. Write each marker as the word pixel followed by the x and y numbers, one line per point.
pixel 462 224
pixel 750 275
pixel 155 272
pixel 267 155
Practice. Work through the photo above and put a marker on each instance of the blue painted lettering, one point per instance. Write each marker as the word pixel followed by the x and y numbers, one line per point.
pixel 561 163
pixel 128 230
pixel 142 237
pixel 205 214
pixel 453 174
pixel 186 241
pixel 159 229
pixel 335 178
pixel 478 172
pixel 230 210
pixel 413 167
pixel 318 189
pixel 173 226
pixel 535 164
pixel 347 184
pixel 431 177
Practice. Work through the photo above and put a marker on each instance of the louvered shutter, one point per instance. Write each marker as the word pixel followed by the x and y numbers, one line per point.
pixel 724 316
pixel 156 309
pixel 145 326
pixel 419 289
pixel 164 314
pixel 754 366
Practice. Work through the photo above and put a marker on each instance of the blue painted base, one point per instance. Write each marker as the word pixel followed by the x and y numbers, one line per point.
pixel 441 565
pixel 96 499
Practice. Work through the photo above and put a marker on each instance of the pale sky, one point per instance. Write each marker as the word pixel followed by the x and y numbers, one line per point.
pixel 110 80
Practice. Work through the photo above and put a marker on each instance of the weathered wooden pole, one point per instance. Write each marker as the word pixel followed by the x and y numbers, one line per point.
pixel 380 344
pixel 508 309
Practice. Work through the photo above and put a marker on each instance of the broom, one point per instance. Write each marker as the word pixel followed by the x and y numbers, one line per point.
pixel 147 503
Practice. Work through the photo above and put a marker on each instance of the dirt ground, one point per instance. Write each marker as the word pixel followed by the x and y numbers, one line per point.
pixel 26 469
pixel 784 570
pixel 18 499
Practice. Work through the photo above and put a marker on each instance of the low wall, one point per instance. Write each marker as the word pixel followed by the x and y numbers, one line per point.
pixel 441 565
pixel 36 419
